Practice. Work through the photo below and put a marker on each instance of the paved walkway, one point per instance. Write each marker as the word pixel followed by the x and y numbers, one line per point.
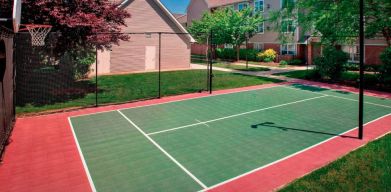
pixel 269 74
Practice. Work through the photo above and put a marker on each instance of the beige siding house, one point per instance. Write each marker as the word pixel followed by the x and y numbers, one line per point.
pixel 141 52
pixel 305 48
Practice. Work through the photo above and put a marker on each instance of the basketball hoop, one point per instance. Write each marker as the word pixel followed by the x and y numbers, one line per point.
pixel 38 33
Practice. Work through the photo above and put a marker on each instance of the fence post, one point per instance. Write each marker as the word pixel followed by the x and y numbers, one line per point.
pixel 361 95
pixel 160 67
pixel 96 77
pixel 211 63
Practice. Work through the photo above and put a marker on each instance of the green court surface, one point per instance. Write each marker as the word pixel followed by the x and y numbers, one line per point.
pixel 195 144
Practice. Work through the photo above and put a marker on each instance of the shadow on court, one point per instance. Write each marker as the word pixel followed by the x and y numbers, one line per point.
pixel 273 125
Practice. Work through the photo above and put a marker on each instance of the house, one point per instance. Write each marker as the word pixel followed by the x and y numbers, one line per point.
pixel 305 48
pixel 182 19
pixel 141 52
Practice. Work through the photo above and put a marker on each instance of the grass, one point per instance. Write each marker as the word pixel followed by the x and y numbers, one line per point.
pixel 240 67
pixel 130 87
pixel 367 169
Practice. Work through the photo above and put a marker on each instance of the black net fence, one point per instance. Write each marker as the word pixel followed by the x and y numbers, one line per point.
pixel 147 66
pixel 7 112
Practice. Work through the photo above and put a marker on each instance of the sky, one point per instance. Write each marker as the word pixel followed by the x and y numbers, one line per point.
pixel 176 6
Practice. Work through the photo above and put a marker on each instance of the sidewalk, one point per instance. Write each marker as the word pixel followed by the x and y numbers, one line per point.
pixel 269 74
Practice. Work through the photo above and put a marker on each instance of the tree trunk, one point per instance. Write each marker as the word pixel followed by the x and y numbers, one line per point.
pixel 237 52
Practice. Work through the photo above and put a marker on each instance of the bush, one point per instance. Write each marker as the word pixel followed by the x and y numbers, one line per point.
pixel 385 68
pixel 330 65
pixel 230 54
pixel 283 63
pixel 295 62
pixel 268 56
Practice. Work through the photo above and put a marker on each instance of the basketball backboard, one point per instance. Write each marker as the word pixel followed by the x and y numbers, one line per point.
pixel 16 14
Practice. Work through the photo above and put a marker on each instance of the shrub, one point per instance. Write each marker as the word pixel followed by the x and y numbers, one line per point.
pixel 295 62
pixel 385 68
pixel 268 56
pixel 230 54
pixel 283 63
pixel 330 65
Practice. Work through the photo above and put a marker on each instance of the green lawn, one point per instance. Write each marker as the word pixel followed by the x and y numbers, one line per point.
pixel 240 67
pixel 367 169
pixel 130 87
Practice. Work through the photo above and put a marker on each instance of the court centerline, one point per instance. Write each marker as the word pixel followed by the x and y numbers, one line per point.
pixel 179 100
pixel 236 115
pixel 164 151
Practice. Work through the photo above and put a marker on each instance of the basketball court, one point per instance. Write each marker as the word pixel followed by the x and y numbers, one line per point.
pixel 246 139
pixel 198 144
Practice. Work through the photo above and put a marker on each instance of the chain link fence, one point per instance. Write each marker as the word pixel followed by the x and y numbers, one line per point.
pixel 7 112
pixel 148 65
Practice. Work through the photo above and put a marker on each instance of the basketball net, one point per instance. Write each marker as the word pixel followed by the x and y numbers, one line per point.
pixel 38 33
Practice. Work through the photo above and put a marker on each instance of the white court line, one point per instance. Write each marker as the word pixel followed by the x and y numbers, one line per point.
pixel 202 122
pixel 236 115
pixel 195 98
pixel 164 151
pixel 82 158
pixel 370 103
pixel 287 157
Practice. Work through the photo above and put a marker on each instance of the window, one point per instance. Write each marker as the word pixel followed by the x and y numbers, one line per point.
pixel 261 28
pixel 288 26
pixel 258 5
pixel 258 46
pixel 228 46
pixel 242 6
pixel 286 3
pixel 354 53
pixel 288 49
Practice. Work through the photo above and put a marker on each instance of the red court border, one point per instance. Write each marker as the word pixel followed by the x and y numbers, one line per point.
pixel 43 155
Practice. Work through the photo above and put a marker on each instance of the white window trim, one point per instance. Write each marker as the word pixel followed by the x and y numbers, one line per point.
pixel 259 46
pixel 293 23
pixel 351 54
pixel 244 3
pixel 228 46
pixel 263 7
pixel 294 45
pixel 263 23
pixel 282 1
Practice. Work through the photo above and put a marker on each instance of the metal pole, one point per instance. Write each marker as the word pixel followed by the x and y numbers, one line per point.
pixel 160 66
pixel 96 78
pixel 211 64
pixel 361 95
pixel 246 52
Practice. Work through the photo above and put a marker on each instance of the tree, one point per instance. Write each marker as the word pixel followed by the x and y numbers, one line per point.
pixel 83 23
pixel 336 22
pixel 227 26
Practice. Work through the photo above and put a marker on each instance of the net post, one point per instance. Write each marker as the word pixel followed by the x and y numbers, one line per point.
pixel 361 82
pixel 96 77
pixel 160 66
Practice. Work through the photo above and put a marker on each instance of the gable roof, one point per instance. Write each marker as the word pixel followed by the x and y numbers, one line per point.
pixel 218 3
pixel 167 13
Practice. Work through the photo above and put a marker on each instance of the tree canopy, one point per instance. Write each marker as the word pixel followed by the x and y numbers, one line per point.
pixel 227 26
pixel 336 21
pixel 83 23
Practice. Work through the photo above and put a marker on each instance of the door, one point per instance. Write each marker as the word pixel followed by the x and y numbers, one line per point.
pixel 150 57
